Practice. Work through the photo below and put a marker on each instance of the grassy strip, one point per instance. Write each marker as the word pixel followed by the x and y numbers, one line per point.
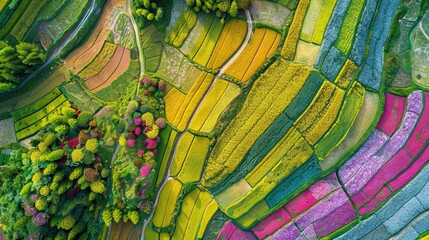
pixel 24 23
pixel 14 19
pixel 37 105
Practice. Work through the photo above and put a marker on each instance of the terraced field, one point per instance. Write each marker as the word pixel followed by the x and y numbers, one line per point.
pixel 285 119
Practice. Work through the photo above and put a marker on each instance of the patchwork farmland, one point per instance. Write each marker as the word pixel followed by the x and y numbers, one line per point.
pixel 231 119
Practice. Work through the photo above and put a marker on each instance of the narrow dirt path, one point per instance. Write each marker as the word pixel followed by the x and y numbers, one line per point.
pixel 222 70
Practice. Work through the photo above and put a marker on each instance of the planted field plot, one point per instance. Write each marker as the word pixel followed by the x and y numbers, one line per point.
pixel 269 12
pixel 230 40
pixel 82 55
pixel 179 107
pixel 123 33
pixel 215 103
pixel 116 65
pixel 419 44
pixel 168 199
pixel 169 137
pixel 182 28
pixel 188 162
pixel 204 45
pixel 59 76
pixel 30 119
pixel 289 46
pixel 152 45
pixel 65 19
pixel 21 27
pixel 98 63
pixel 7 129
pixel 197 209
pixel 16 16
pixel 262 45
pixel 77 95
pixel 175 68
pixel 116 86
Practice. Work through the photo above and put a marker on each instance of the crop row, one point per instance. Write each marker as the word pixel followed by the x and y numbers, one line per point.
pixel 166 203
pixel 346 117
pixel 35 127
pixel 36 106
pixel 262 45
pixel 203 47
pixel 350 22
pixel 265 102
pixel 230 40
pixel 16 16
pixel 21 27
pixel 322 21
pixel 165 151
pixel 99 62
pixel 217 100
pixel 182 28
pixel 289 47
pixel 190 157
pixel 36 116
pixel 321 113
pixel 152 46
pixel 179 107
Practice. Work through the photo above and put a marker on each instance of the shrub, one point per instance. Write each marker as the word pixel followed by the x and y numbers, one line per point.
pixel 77 155
pixel 42 147
pixel 117 215
pixel 92 145
pixel 76 230
pixel 77 172
pixel 134 216
pixel 55 155
pixel 25 189
pixel 44 191
pixel 148 118
pixel 49 139
pixel 35 156
pixel 58 176
pixel 37 177
pixel 107 217
pixel 72 123
pixel 68 112
pixel 97 187
pixel 84 118
pixel 40 204
pixel 50 169
pixel 67 223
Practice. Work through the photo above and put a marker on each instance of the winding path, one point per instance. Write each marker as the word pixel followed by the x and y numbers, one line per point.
pixel 222 70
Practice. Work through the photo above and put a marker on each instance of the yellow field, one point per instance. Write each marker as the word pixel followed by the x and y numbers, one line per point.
pixel 362 123
pixel 346 74
pixel 150 234
pixel 253 214
pixel 322 21
pixel 190 218
pixel 216 101
pixel 189 160
pixel 307 53
pixel 350 22
pixel 230 40
pixel 261 46
pixel 289 47
pixel 166 157
pixel 310 20
pixel 269 161
pixel 321 113
pixel 166 204
pixel 207 216
pixel 287 162
pixel 265 102
pixel 179 107
pixel 205 49
pixel 98 62
pixel 346 118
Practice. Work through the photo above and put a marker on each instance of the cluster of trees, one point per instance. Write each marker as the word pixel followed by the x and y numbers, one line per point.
pixel 147 10
pixel 220 7
pixel 16 62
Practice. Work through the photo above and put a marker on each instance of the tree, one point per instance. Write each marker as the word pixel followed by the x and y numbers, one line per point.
pixel 30 54
pixel 233 9
pixel 243 4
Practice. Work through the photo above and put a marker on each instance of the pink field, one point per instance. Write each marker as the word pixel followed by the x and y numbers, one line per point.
pixel 300 203
pixel 226 231
pixel 270 224
pixel 420 135
pixel 393 111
